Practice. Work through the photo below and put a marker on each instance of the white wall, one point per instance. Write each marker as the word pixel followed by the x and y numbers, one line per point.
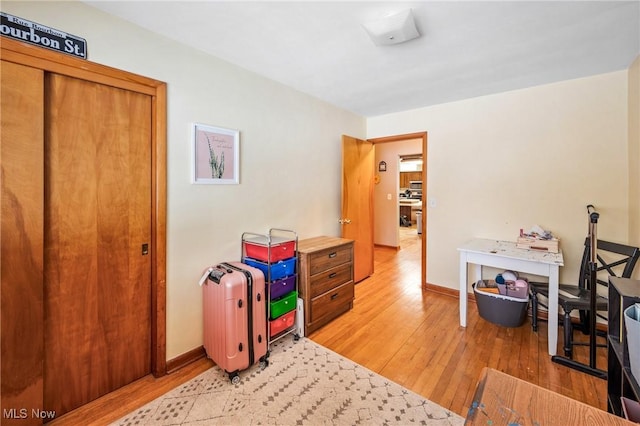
pixel 534 156
pixel 290 148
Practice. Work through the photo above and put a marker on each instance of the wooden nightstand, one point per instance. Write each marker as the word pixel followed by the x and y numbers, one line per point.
pixel 326 279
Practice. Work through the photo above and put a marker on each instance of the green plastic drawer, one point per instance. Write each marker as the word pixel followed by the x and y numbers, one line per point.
pixel 285 304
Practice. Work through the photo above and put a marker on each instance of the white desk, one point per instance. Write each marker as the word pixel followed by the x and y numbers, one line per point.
pixel 505 255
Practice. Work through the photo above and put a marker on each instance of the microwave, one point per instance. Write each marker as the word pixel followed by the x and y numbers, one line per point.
pixel 415 185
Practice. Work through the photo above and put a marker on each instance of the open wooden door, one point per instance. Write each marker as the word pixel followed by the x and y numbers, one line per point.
pixel 358 169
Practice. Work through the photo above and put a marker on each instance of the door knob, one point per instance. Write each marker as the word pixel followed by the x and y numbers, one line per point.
pixel 344 221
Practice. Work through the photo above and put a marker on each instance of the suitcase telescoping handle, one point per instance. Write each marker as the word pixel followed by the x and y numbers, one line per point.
pixel 204 276
pixel 214 274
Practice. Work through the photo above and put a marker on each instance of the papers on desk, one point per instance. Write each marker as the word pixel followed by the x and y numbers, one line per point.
pixel 538 239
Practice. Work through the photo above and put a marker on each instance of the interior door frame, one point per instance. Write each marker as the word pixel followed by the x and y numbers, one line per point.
pixel 51 61
pixel 423 236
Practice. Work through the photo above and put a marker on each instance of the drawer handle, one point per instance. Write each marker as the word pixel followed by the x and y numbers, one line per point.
pixel 333 296
pixel 333 275
pixel 332 255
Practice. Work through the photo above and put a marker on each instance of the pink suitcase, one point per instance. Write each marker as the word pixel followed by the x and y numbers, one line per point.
pixel 235 318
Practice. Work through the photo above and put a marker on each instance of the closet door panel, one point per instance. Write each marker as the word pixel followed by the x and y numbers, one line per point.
pixel 21 249
pixel 97 221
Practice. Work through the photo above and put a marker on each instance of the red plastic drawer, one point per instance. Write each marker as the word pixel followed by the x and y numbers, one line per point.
pixel 257 248
pixel 280 324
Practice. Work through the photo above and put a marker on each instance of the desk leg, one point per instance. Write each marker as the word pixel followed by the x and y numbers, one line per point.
pixel 553 309
pixel 463 289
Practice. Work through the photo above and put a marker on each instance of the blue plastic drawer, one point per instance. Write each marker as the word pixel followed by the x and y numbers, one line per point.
pixel 278 270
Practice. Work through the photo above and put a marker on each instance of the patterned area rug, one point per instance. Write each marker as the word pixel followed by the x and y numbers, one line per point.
pixel 304 384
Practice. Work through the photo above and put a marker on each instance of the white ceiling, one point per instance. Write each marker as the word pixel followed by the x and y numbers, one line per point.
pixel 466 49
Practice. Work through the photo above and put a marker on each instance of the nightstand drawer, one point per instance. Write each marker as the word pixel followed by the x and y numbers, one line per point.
pixel 329 258
pixel 329 302
pixel 325 281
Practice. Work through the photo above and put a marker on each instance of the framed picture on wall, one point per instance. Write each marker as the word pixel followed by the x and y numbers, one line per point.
pixel 216 155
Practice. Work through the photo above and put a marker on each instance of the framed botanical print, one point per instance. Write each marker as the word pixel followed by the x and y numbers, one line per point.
pixel 216 155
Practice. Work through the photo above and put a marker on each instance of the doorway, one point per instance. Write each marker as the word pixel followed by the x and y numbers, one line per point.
pixel 410 170
pixel 387 208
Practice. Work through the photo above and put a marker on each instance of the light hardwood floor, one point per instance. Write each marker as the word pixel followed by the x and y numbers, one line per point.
pixel 409 336
pixel 414 338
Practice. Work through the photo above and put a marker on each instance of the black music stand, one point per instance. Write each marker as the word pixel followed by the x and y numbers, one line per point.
pixel 593 266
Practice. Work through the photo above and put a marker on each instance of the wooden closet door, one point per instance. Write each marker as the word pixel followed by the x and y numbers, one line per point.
pixel 21 229
pixel 97 219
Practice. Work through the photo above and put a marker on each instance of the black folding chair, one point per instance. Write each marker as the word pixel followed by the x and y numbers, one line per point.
pixel 609 259
pixel 614 258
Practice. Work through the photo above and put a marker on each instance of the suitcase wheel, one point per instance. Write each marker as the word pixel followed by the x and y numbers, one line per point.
pixel 235 378
pixel 264 361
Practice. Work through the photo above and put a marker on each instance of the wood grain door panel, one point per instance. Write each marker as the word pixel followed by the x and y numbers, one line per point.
pixel 358 168
pixel 97 218
pixel 21 231
pixel 112 283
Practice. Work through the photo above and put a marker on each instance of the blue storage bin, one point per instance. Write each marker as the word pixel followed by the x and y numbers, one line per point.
pixel 278 270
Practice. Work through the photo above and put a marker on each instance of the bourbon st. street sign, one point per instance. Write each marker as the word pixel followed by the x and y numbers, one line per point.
pixel 40 35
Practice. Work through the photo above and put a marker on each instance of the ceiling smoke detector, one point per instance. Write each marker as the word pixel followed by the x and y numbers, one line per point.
pixel 392 29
